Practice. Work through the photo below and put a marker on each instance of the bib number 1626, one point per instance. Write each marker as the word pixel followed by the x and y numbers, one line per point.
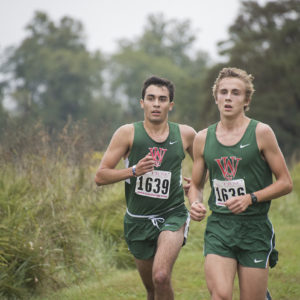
pixel 227 189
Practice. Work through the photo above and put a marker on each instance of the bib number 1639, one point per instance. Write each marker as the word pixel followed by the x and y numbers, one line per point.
pixel 155 184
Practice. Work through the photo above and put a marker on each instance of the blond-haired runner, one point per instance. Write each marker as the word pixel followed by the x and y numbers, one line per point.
pixel 240 155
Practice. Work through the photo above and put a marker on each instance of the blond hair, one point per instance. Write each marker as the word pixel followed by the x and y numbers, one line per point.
pixel 236 73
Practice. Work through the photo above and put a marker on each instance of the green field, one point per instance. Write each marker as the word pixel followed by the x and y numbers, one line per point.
pixel 61 237
pixel 188 276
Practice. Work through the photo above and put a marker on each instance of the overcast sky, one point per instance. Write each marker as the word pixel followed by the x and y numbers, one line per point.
pixel 106 21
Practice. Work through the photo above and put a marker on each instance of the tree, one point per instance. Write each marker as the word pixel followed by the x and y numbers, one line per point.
pixel 52 73
pixel 265 41
pixel 3 113
pixel 165 48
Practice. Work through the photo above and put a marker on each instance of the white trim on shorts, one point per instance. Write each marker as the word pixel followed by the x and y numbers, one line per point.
pixel 155 219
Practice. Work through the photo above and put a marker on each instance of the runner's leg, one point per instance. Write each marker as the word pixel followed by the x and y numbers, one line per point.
pixel 168 247
pixel 219 273
pixel 145 270
pixel 253 283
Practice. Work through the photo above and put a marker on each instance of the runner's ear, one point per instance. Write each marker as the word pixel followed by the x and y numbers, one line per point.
pixel 142 103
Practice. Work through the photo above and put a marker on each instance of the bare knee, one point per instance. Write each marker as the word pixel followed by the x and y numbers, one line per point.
pixel 161 279
pixel 220 294
pixel 220 291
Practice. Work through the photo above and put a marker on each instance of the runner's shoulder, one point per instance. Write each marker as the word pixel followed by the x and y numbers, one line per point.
pixel 125 129
pixel 186 129
pixel 201 135
pixel 263 129
pixel 187 132
pixel 124 134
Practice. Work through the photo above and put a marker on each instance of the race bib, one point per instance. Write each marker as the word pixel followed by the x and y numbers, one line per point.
pixel 155 184
pixel 224 190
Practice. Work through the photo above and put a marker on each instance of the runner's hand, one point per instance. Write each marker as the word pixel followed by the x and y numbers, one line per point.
pixel 238 204
pixel 197 211
pixel 186 186
pixel 145 165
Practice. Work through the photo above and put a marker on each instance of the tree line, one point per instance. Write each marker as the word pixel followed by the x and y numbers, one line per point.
pixel 52 77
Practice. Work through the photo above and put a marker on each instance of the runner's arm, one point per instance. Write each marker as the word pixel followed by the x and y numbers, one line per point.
pixel 271 152
pixel 119 147
pixel 195 195
pixel 187 136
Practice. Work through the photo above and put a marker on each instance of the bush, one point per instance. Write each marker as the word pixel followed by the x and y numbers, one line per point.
pixel 54 229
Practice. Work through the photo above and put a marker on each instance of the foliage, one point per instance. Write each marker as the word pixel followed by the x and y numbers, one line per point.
pixel 56 228
pixel 265 41
pixel 188 274
pixel 52 75
pixel 164 49
pixel 61 237
pixel 3 112
pixel 48 208
pixel 107 220
pixel 21 260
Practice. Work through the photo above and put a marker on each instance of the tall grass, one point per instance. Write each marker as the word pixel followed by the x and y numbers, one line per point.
pixel 188 274
pixel 61 237
pixel 56 227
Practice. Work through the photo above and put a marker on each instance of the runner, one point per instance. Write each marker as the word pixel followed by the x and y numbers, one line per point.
pixel 240 155
pixel 156 221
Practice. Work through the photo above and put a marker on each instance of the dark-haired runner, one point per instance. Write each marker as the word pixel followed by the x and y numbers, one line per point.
pixel 156 221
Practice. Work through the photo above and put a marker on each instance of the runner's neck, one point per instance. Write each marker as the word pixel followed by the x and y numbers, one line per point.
pixel 230 133
pixel 158 132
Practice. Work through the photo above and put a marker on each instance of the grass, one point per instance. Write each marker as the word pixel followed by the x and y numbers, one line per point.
pixel 61 237
pixel 188 275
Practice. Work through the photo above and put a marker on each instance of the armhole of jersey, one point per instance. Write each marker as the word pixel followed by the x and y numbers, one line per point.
pixel 255 125
pixel 179 133
pixel 209 132
pixel 127 159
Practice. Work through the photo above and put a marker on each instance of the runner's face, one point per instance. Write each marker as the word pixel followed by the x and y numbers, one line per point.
pixel 156 103
pixel 231 96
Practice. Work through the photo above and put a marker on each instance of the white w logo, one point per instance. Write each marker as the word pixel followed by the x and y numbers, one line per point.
pixel 157 155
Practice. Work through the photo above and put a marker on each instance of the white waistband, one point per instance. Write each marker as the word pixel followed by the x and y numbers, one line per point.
pixel 154 218
pixel 151 216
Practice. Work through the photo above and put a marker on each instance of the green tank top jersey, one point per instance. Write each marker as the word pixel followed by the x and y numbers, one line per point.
pixel 236 170
pixel 160 190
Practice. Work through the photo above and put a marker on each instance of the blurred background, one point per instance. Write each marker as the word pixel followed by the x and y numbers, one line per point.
pixel 71 73
pixel 78 60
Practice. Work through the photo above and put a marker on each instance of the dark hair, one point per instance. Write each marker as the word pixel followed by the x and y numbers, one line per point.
pixel 154 80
